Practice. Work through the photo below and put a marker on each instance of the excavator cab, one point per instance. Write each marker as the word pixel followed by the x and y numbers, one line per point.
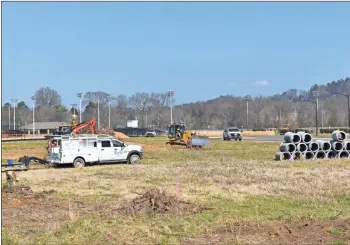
pixel 176 131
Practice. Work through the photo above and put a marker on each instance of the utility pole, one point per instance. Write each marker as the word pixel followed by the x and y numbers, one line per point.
pixel 247 100
pixel 9 107
pixel 349 110
pixel 98 113
pixel 316 94
pixel 73 106
pixel 109 112
pixel 348 97
pixel 14 101
pixel 170 94
pixel 79 96
pixel 33 115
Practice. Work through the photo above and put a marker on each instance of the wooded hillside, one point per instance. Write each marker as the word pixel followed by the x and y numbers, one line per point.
pixel 288 109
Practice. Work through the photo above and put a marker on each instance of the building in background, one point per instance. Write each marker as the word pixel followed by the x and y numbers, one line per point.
pixel 42 127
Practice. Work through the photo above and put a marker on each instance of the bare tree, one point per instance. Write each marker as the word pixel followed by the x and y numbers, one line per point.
pixel 93 97
pixel 47 97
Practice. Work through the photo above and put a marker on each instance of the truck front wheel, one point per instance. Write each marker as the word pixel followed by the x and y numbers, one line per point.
pixel 134 159
pixel 79 163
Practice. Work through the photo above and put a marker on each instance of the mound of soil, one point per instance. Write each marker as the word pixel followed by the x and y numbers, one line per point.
pixel 157 201
pixel 120 135
pixel 107 131
pixel 296 232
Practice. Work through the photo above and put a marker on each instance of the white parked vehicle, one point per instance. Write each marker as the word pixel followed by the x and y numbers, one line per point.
pixel 150 133
pixel 89 148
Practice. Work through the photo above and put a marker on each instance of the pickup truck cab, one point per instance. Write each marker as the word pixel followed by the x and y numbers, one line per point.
pixel 82 149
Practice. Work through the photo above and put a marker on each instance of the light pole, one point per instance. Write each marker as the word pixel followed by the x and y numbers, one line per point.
pixel 109 111
pixel 73 106
pixel 14 101
pixel 98 113
pixel 9 107
pixel 33 115
pixel 316 94
pixel 347 96
pixel 170 94
pixel 246 98
pixel 79 96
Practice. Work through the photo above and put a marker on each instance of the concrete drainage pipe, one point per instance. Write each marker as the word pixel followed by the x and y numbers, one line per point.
pixel 324 145
pixel 337 146
pixel 308 155
pixel 305 137
pixel 313 146
pixel 287 147
pixel 343 154
pixel 291 137
pixel 301 147
pixel 320 155
pixel 338 135
pixel 280 156
pixel 346 145
pixel 297 155
pixel 332 154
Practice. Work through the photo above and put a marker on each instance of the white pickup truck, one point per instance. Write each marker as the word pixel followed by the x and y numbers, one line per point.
pixel 89 148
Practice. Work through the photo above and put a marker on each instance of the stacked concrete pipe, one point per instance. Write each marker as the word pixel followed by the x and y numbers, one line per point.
pixel 339 144
pixel 300 145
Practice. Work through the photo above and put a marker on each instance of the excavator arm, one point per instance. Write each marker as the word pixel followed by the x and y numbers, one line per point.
pixel 90 124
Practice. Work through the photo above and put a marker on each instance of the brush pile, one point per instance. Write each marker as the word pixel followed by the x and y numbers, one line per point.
pixel 300 146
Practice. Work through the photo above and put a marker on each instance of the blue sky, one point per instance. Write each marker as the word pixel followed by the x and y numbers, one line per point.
pixel 199 50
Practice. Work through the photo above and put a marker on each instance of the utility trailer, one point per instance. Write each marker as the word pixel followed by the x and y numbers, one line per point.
pixel 23 163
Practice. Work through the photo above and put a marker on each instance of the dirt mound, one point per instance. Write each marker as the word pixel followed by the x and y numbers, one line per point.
pixel 157 201
pixel 297 232
pixel 120 135
pixel 105 131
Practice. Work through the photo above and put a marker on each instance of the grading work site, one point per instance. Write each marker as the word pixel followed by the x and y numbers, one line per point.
pixel 229 192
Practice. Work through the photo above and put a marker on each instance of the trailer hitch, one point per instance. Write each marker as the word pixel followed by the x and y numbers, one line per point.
pixel 25 162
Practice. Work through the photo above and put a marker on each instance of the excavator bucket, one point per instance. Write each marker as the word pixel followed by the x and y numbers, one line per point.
pixel 200 141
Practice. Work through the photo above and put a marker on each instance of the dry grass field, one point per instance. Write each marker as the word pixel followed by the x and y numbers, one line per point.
pixel 228 193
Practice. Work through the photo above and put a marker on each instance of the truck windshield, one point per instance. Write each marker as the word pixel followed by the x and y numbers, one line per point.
pixel 117 143
pixel 233 130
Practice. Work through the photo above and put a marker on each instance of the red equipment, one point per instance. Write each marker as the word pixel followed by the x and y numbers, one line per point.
pixel 90 124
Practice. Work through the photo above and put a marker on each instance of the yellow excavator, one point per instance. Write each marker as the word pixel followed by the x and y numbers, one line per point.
pixel 178 135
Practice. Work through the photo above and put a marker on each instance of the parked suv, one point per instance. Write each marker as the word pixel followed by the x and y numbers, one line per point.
pixel 150 133
pixel 232 133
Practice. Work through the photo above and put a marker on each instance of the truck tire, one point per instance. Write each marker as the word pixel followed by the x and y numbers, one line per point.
pixel 78 162
pixel 134 159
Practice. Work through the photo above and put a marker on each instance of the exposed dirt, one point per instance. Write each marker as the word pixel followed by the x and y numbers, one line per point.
pixel 17 153
pixel 296 232
pixel 149 147
pixel 22 207
pixel 157 201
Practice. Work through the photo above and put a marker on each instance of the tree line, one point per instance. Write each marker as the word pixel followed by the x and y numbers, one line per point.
pixel 290 109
